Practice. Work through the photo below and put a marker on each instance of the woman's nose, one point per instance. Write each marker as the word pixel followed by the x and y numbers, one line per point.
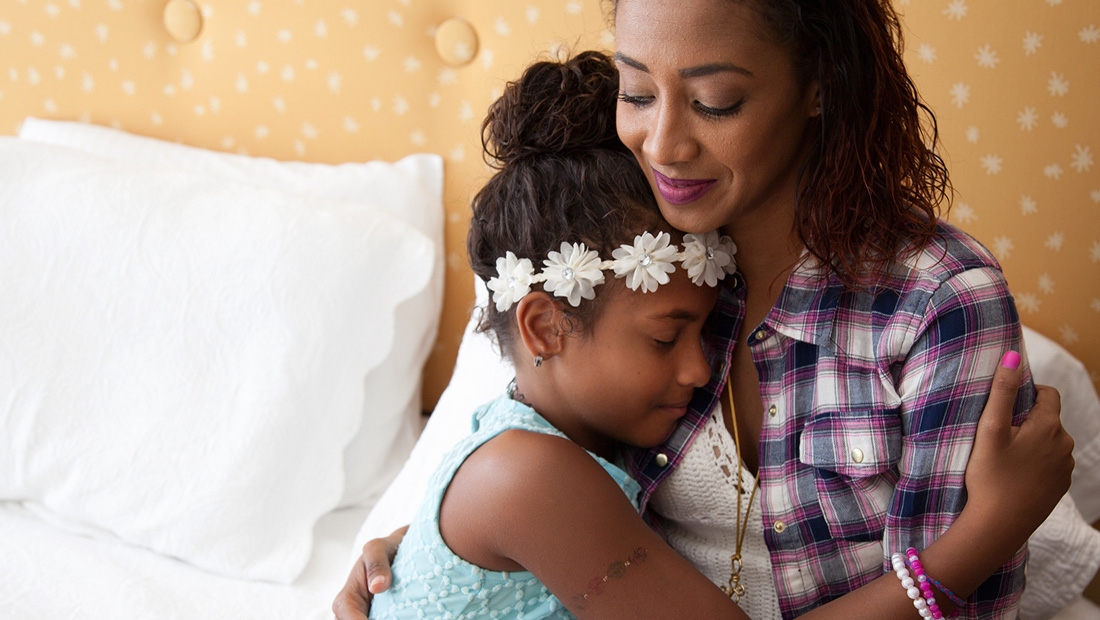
pixel 668 137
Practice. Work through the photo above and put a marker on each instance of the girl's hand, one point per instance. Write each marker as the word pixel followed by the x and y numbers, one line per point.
pixel 1018 473
pixel 370 575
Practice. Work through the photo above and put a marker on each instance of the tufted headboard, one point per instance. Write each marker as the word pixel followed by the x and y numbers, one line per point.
pixel 325 81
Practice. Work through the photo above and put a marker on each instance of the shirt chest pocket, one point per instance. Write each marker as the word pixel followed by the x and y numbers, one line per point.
pixel 853 455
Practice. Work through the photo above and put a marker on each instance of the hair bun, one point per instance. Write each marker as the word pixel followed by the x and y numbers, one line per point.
pixel 555 107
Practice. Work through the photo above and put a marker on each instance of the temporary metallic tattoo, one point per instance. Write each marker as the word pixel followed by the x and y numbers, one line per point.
pixel 514 395
pixel 615 570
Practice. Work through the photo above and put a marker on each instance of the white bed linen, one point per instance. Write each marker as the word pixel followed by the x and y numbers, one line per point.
pixel 49 573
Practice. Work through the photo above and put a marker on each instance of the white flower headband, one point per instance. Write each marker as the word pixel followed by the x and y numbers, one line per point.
pixel 574 272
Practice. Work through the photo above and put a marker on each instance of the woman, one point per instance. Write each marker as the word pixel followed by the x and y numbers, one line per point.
pixel 869 331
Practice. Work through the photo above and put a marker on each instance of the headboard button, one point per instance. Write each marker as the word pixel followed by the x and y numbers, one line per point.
pixel 456 41
pixel 183 20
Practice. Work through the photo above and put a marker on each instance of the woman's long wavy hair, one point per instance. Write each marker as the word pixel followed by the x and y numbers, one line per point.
pixel 872 187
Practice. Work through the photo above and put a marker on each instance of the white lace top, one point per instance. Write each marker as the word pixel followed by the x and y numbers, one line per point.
pixel 697 506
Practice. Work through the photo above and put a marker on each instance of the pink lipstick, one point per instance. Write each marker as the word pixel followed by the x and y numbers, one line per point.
pixel 682 191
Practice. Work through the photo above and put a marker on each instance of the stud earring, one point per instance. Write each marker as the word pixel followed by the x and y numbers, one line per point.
pixel 817 110
pixel 538 361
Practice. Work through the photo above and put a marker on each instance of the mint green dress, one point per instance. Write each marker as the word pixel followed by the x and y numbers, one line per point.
pixel 430 581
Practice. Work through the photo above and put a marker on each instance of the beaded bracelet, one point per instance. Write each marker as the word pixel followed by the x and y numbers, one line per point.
pixel 948 593
pixel 922 582
pixel 915 593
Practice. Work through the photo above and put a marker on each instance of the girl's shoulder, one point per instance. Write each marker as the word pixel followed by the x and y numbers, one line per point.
pixel 523 463
pixel 517 483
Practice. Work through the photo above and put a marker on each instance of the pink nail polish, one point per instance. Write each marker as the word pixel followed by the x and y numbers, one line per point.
pixel 1011 360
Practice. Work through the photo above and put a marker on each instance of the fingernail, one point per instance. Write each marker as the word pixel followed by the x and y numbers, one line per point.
pixel 375 583
pixel 1011 360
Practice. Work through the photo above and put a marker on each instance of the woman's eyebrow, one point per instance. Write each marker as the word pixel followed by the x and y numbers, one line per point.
pixel 712 68
pixel 691 72
pixel 630 62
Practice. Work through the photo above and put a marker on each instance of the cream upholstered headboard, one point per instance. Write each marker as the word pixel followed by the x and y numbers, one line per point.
pixel 327 81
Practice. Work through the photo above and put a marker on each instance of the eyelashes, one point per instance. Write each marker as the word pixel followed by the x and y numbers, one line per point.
pixel 732 110
pixel 634 101
pixel 705 110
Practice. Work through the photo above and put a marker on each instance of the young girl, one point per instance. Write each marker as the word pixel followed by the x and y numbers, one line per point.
pixel 603 308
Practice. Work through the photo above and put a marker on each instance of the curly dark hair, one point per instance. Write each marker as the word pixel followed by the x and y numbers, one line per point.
pixel 562 175
pixel 872 187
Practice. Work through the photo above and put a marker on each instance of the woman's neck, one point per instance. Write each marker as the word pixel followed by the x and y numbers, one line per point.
pixel 767 250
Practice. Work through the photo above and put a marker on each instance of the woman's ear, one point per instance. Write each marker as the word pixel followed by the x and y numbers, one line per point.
pixel 813 97
pixel 538 321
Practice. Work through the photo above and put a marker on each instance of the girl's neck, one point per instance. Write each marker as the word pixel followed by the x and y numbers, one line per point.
pixel 528 391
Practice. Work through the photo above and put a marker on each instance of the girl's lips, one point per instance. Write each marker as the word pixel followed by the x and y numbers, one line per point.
pixel 678 411
pixel 682 191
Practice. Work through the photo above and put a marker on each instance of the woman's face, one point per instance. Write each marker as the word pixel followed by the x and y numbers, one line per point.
pixel 713 110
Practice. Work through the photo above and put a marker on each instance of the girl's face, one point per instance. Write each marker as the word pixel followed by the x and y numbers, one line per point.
pixel 713 110
pixel 629 377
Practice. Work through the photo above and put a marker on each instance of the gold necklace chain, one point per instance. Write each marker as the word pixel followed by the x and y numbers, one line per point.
pixel 736 590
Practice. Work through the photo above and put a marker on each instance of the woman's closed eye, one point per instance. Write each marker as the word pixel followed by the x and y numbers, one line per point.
pixel 635 100
pixel 720 112
pixel 641 101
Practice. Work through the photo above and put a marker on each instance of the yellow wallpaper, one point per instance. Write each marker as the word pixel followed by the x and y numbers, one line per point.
pixel 1016 89
pixel 332 81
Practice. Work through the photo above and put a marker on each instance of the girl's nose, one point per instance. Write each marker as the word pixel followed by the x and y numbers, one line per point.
pixel 695 370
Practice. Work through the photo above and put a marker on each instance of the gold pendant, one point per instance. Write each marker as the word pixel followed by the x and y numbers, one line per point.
pixel 735 590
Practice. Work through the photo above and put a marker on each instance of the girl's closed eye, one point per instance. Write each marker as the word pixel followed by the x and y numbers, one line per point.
pixel 667 340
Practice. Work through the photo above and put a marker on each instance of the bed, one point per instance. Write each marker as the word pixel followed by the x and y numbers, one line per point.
pixel 231 256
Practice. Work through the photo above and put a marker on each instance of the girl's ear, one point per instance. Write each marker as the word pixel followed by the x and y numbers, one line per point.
pixel 539 318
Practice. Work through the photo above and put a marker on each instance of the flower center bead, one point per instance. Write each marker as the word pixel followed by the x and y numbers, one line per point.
pixel 511 282
pixel 710 253
pixel 646 260
pixel 567 273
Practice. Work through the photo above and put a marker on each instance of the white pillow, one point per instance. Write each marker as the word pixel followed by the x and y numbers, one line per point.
pixel 1053 365
pixel 480 375
pixel 182 357
pixel 411 189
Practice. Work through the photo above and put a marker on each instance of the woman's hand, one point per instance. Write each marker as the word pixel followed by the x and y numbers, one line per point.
pixel 1019 473
pixel 370 575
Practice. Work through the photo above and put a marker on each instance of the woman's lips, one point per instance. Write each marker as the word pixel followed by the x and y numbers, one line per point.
pixel 682 191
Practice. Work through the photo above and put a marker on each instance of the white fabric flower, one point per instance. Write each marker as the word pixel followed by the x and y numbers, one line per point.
pixel 708 258
pixel 512 282
pixel 647 263
pixel 573 273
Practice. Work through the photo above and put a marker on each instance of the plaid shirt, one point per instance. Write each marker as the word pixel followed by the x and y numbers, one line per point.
pixel 871 399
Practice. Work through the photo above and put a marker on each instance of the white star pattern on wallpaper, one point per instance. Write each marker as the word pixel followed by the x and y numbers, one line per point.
pixel 987 57
pixel 1027 118
pixel 1081 159
pixel 1032 42
pixel 956 10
